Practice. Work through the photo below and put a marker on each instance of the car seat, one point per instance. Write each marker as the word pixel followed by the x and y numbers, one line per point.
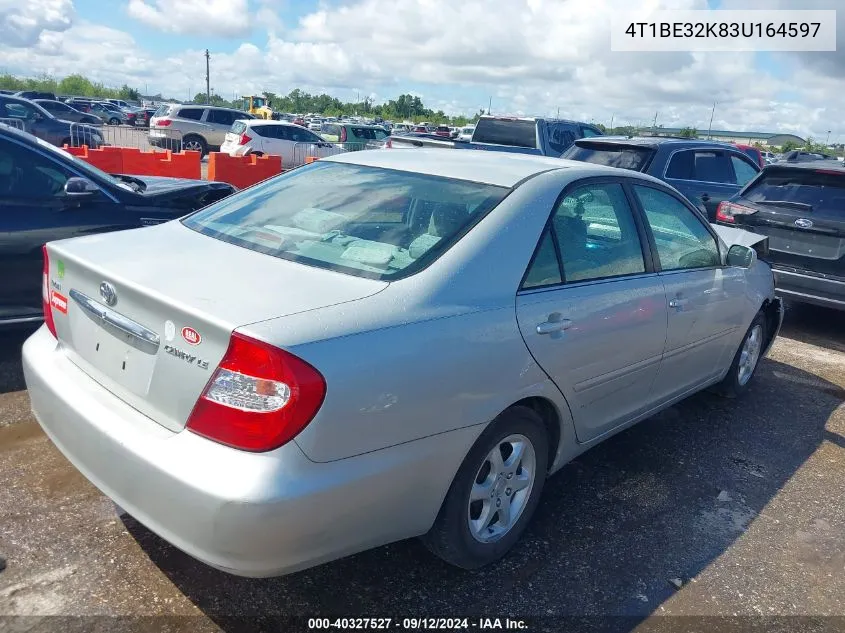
pixel 445 221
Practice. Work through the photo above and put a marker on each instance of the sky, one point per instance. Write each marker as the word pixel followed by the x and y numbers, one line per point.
pixel 530 57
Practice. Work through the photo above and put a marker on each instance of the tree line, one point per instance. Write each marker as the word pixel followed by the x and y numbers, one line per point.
pixel 75 85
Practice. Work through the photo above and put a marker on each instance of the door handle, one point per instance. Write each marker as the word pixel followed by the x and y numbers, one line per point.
pixel 678 303
pixel 550 326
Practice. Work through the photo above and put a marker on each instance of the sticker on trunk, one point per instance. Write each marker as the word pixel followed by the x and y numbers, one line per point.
pixel 59 302
pixel 191 335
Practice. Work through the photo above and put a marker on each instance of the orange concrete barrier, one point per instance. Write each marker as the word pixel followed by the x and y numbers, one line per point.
pixel 242 171
pixel 310 159
pixel 131 160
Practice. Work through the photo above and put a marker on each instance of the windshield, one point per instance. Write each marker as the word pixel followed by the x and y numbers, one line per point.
pixel 364 221
pixel 622 156
pixel 820 190
pixel 513 132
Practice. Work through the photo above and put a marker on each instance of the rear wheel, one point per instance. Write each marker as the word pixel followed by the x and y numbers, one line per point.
pixel 494 493
pixel 746 359
pixel 114 121
pixel 194 143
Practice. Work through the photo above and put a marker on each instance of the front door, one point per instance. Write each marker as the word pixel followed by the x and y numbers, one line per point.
pixel 704 299
pixel 592 311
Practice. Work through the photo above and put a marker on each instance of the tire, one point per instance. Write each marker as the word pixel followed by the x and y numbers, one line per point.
pixel 114 121
pixel 194 142
pixel 746 360
pixel 451 537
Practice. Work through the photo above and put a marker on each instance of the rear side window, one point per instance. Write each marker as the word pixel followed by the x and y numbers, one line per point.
pixel 365 133
pixel 511 132
pixel 701 165
pixel 744 171
pixel 813 190
pixel 622 156
pixel 587 132
pixel 266 131
pixel 194 114
pixel 221 117
pixel 332 215
pixel 162 110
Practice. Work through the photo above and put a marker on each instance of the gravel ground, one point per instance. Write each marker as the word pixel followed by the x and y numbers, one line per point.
pixel 729 508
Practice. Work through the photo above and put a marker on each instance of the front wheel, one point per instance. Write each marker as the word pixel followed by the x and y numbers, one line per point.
pixel 114 121
pixel 746 359
pixel 193 143
pixel 494 493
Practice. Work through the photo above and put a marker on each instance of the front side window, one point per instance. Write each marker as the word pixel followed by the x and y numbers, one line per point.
pixel 345 218
pixel 24 174
pixel 221 117
pixel 681 238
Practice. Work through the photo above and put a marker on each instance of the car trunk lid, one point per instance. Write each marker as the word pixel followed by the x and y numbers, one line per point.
pixel 802 212
pixel 152 326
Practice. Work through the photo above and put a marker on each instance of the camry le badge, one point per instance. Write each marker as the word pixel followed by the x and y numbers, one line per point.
pixel 803 223
pixel 108 293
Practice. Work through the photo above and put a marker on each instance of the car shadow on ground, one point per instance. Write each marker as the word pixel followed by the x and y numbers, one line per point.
pixel 11 371
pixel 657 502
pixel 814 325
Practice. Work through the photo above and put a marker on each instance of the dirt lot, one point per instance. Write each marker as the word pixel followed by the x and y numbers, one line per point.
pixel 738 502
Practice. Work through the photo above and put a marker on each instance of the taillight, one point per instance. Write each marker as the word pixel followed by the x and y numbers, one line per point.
pixel 46 294
pixel 244 139
pixel 163 122
pixel 343 135
pixel 726 211
pixel 259 398
pixel 388 143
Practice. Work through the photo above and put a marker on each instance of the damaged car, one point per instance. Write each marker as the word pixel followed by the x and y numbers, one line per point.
pixel 401 344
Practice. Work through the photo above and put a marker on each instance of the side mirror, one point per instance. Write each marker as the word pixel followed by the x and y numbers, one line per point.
pixel 76 187
pixel 741 256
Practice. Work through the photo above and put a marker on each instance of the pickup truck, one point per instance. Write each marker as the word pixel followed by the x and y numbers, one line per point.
pixel 544 137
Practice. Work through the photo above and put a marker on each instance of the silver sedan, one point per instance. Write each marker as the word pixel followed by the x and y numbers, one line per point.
pixel 384 345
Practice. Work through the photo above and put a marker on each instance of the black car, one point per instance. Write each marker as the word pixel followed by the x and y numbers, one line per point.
pixel 28 116
pixel 801 208
pixel 47 194
pixel 704 171
pixel 799 156
pixel 35 94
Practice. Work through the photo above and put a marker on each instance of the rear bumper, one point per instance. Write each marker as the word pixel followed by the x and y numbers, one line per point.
pixel 249 514
pixel 808 288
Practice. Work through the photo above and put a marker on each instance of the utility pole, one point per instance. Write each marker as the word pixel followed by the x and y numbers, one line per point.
pixel 827 140
pixel 654 125
pixel 207 78
pixel 489 105
pixel 710 127
pixel 611 124
pixel 558 112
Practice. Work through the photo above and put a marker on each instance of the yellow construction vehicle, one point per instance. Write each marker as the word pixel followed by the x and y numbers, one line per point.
pixel 258 106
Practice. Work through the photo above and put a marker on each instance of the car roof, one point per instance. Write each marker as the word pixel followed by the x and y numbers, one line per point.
pixel 808 164
pixel 652 141
pixel 494 168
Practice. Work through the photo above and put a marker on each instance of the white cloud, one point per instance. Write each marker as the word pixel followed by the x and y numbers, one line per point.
pixel 23 23
pixel 532 56
pixel 228 18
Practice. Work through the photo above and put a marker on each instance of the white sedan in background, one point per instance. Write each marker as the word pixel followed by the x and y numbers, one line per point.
pixel 279 138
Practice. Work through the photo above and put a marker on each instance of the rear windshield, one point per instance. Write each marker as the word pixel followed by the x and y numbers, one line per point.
pixel 238 127
pixel 364 221
pixel 802 188
pixel 506 132
pixel 622 156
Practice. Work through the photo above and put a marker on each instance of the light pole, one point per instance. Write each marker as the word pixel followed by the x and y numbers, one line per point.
pixel 710 127
pixel 827 140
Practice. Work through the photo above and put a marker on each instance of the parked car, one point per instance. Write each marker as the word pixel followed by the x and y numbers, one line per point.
pixel 769 157
pixel 800 207
pixel 120 103
pixel 47 194
pixel 544 305
pixel 800 156
pixel 444 131
pixel 30 117
pixel 354 137
pixel 66 113
pixel 465 133
pixel 706 172
pixel 144 117
pixel 83 105
pixel 753 153
pixel 107 115
pixel 292 142
pixel 35 94
pixel 193 127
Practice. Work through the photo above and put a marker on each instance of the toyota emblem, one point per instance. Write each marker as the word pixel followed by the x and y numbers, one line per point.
pixel 108 293
pixel 803 223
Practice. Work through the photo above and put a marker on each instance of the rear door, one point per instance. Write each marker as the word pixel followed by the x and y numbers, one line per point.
pixel 591 309
pixel 707 176
pixel 35 210
pixel 802 210
pixel 705 300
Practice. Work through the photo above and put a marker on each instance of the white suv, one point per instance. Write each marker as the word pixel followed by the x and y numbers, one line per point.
pixel 192 127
